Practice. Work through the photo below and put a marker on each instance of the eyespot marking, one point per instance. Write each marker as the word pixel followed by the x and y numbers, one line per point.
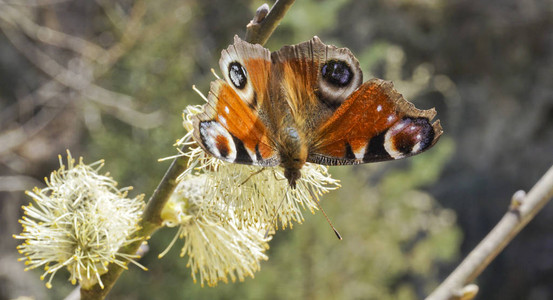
pixel 409 136
pixel 237 75
pixel 337 73
pixel 217 140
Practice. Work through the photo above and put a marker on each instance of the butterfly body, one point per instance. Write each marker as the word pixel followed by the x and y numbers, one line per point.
pixel 306 103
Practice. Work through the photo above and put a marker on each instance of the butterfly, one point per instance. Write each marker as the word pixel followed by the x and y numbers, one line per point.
pixel 306 103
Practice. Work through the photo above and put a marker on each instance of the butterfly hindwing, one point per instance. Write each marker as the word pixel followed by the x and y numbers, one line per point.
pixel 374 123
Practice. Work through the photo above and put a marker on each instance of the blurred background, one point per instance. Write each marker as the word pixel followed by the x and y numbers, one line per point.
pixel 109 79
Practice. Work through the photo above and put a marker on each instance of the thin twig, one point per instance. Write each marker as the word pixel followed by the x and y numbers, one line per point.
pixel 10 139
pixel 119 104
pixel 48 35
pixel 264 23
pixel 29 103
pixel 522 210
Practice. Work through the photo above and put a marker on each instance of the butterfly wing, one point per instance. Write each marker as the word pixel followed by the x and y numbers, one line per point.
pixel 316 79
pixel 374 123
pixel 230 127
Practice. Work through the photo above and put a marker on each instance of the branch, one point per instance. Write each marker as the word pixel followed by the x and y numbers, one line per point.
pixel 119 104
pixel 11 139
pixel 48 35
pixel 265 21
pixel 151 219
pixel 523 209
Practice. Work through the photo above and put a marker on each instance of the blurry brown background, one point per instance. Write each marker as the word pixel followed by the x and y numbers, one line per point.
pixel 109 79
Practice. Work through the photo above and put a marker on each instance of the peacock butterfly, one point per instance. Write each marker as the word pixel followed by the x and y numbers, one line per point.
pixel 307 103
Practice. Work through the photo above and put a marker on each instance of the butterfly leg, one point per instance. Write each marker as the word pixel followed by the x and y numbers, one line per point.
pixel 253 174
pixel 278 179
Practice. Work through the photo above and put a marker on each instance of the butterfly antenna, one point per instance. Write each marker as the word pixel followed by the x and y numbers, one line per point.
pixel 273 222
pixel 326 217
pixel 199 93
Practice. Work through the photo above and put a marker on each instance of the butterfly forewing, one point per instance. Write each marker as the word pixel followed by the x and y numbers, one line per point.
pixel 230 127
pixel 246 68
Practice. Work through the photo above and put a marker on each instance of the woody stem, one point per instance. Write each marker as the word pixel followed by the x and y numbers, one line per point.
pixel 265 21
pixel 522 210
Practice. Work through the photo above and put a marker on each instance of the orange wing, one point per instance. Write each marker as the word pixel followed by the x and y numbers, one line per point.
pixel 229 130
pixel 374 123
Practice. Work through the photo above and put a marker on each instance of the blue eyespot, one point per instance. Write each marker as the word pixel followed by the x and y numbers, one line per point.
pixel 337 73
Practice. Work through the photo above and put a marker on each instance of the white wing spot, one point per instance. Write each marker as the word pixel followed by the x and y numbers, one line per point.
pixel 360 153
pixel 379 108
pixel 226 109
pixel 416 148
pixel 222 120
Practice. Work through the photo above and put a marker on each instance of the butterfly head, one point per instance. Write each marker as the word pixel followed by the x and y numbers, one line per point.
pixel 292 175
